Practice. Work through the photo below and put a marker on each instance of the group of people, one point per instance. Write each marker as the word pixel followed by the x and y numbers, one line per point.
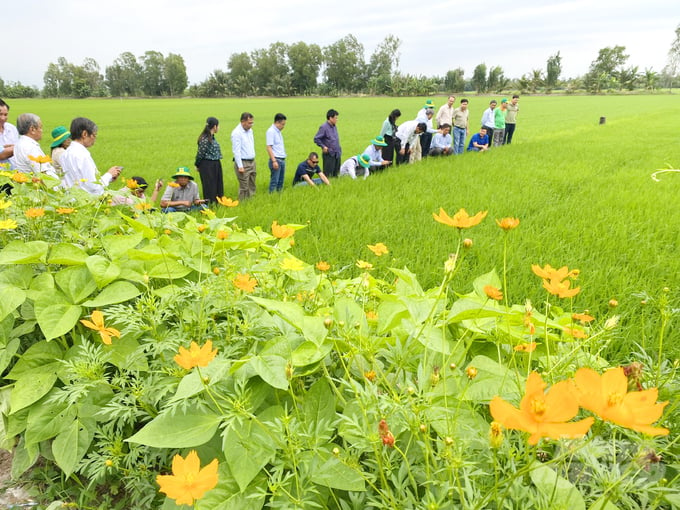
pixel 408 142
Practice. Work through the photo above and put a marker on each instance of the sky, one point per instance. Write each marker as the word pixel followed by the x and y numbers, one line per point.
pixel 436 35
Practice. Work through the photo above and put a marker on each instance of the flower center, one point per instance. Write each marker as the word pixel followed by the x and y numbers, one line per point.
pixel 614 399
pixel 538 407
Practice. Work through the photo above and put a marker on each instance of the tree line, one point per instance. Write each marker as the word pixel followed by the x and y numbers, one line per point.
pixel 295 69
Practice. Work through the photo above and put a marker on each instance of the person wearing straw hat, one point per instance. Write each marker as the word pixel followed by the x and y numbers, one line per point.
pixel 350 166
pixel 181 195
pixel 61 139
pixel 374 151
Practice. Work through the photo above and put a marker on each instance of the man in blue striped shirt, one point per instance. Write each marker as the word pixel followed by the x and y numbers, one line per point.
pixel 243 147
pixel 277 152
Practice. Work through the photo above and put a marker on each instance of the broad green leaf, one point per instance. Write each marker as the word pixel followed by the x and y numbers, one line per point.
pixel 318 408
pixel 31 387
pixel 20 276
pixel 103 270
pixel 312 328
pixel 272 369
pixel 7 352
pixel 117 292
pixel 67 254
pixel 604 503
pixel 36 357
pixel 407 283
pixel 228 496
pixel 12 298
pixel 490 278
pixel 562 493
pixel 116 245
pixel 458 421
pixel 45 421
pixel 76 283
pixel 492 379
pixel 468 308
pixel 168 269
pixel 24 457
pixel 140 227
pixel 351 313
pixel 18 252
pixel 420 307
pixel 437 339
pixel 308 352
pixel 119 351
pixel 391 311
pixel 57 320
pixel 71 445
pixel 191 383
pixel 330 471
pixel 188 428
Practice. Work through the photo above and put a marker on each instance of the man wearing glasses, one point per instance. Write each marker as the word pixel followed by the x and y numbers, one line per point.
pixel 304 175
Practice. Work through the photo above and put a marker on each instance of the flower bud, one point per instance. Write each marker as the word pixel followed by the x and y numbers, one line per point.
pixel 613 303
pixel 467 243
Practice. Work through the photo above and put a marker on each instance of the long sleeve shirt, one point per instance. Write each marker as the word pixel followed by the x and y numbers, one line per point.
pixel 350 168
pixel 376 155
pixel 327 136
pixel 440 141
pixel 445 115
pixel 10 136
pixel 488 119
pixel 407 133
pixel 208 148
pixel 422 117
pixel 25 147
pixel 242 145
pixel 80 170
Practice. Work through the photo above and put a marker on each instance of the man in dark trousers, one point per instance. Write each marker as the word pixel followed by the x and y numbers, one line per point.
pixel 327 138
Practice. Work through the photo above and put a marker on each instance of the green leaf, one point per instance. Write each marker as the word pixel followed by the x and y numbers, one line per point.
pixel 102 269
pixel 308 352
pixel 492 379
pixel 119 351
pixel 71 445
pixel 12 298
pixel 18 252
pixel 437 339
pixel 191 383
pixel 67 254
pixel 407 283
pixel 168 269
pixel 272 369
pixel 228 496
pixel 7 352
pixel 318 408
pixel 76 283
pixel 312 328
pixel 116 245
pixel 57 320
pixel 330 471
pixel 604 503
pixel 117 292
pixel 24 457
pixel 38 356
pixel 31 387
pixel 391 311
pixel 140 227
pixel 18 276
pixel 47 421
pixel 190 427
pixel 490 278
pixel 351 313
pixel 562 493
pixel 468 308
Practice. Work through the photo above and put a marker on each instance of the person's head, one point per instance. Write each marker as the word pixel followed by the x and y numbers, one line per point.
pixel 4 112
pixel 452 99
pixel 429 105
pixel 421 127
pixel 394 115
pixel 280 121
pixel 212 125
pixel 139 186
pixel 445 128
pixel 332 116
pixel 61 137
pixel 84 131
pixel 514 99
pixel 493 104
pixel 378 141
pixel 247 120
pixel 463 104
pixel 364 160
pixel 183 176
pixel 482 131
pixel 29 124
pixel 313 159
pixel 504 104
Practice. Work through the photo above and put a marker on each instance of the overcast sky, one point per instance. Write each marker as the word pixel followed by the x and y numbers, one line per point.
pixel 436 35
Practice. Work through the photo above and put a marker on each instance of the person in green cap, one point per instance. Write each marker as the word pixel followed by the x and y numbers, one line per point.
pixel 374 151
pixel 499 123
pixel 61 139
pixel 181 195
pixel 350 166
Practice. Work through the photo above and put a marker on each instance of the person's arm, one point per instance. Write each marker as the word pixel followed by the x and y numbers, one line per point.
pixel 324 179
pixel 156 188
pixel 236 144
pixel 7 151
pixel 321 137
pixel 203 145
pixel 275 164
pixel 308 179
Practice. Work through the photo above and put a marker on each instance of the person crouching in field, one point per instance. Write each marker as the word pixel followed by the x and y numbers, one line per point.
pixel 441 142
pixel 135 192
pixel 181 195
pixel 61 139
pixel 374 151
pixel 479 141
pixel 304 175
pixel 351 166
pixel 409 138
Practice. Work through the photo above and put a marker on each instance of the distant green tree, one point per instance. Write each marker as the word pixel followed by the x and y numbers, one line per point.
pixel 153 79
pixel 601 74
pixel 672 67
pixel 124 76
pixel 479 79
pixel 383 62
pixel 650 79
pixel 494 79
pixel 305 63
pixel 627 78
pixel 454 81
pixel 271 74
pixel 175 78
pixel 345 64
pixel 553 69
pixel 240 67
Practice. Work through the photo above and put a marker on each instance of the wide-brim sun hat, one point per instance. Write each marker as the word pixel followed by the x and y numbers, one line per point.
pixel 379 141
pixel 364 160
pixel 59 135
pixel 183 171
pixel 429 104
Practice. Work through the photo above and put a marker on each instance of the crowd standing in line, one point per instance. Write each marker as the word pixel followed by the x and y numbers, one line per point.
pixel 407 142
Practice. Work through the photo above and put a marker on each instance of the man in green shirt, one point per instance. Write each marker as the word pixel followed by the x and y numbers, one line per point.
pixel 511 118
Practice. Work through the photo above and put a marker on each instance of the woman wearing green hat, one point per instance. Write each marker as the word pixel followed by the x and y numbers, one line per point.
pixel 61 139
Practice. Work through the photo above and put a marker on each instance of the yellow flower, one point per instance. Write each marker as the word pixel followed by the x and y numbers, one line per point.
pixel 378 249
pixel 281 231
pixel 493 293
pixel 467 243
pixel 542 414
pixel 97 324
pixel 582 317
pixel 222 234
pixel 370 375
pixel 371 315
pixel 607 396
pixel 560 288
pixel 173 185
pixel 548 273
pixel 20 177
pixel 575 333
pixel 461 219
pixel 208 212
pixel 508 223
pixel 34 212
pixel 323 266
pixel 167 231
pixel 40 159
pixel 362 264
pixel 227 202
pixel 65 210
pixel 4 204
pixel 245 282
pixel 143 206
pixel 188 481
pixel 471 372
pixel 292 264
pixel 529 347
pixel 131 183
pixel 201 227
pixel 8 224
pixel 195 356
pixel 495 434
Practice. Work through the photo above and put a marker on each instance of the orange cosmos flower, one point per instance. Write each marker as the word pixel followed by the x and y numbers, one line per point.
pixel 97 324
pixel 528 347
pixel 460 220
pixel 20 177
pixel 34 212
pixel 493 293
pixel 548 273
pixel 362 264
pixel 131 184
pixel 508 223
pixel 370 375
pixel 227 202
pixel 245 282
pixel 371 315
pixel 560 288
pixel 222 234
pixel 542 414
pixel 575 333
pixel 201 227
pixel 143 206
pixel 40 159
pixel 281 231
pixel 378 249
pixel 195 356
pixel 607 396
pixel 582 317
pixel 188 481
pixel 323 266
pixel 65 210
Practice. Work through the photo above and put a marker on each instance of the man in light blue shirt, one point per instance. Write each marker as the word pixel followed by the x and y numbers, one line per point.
pixel 277 152
pixel 441 142
pixel 489 119
pixel 243 147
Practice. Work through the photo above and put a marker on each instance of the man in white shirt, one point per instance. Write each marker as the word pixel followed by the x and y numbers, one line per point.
pixel 77 163
pixel 28 150
pixel 445 113
pixel 9 136
pixel 277 153
pixel 350 166
pixel 408 134
pixel 489 119
pixel 425 115
pixel 374 151
pixel 243 148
